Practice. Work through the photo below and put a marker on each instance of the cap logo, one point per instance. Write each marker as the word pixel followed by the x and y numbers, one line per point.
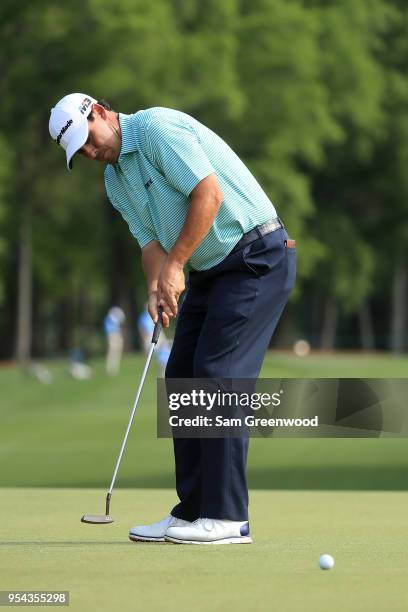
pixel 63 130
pixel 85 104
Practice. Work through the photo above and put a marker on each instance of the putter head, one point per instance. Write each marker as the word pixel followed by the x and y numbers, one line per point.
pixel 97 519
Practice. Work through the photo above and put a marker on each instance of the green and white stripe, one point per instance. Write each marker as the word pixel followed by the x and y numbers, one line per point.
pixel 165 154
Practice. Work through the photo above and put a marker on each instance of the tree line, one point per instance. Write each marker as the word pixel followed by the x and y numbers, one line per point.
pixel 311 94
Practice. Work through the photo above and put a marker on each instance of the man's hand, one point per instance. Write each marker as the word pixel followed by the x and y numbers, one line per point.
pixel 152 308
pixel 170 286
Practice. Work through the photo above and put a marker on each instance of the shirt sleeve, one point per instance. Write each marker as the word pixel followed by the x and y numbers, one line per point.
pixel 177 153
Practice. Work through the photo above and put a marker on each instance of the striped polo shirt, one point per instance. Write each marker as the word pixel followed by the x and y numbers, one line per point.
pixel 164 155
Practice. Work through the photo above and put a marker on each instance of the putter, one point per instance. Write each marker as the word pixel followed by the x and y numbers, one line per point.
pixel 103 519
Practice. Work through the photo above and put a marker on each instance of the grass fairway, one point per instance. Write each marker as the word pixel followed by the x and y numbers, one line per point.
pixel 44 546
pixel 68 433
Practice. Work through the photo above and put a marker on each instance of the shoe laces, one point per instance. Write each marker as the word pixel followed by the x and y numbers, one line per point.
pixel 206 523
pixel 177 522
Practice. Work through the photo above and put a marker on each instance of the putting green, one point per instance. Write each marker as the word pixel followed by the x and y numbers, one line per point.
pixel 44 546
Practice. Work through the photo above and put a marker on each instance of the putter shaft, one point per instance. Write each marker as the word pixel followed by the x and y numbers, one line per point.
pixel 148 360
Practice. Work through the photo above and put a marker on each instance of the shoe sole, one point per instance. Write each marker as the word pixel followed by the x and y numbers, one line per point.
pixel 238 540
pixel 136 538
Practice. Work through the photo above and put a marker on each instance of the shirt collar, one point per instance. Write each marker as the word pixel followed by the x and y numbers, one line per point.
pixel 129 143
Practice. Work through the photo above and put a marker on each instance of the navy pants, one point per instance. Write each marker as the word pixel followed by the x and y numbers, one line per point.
pixel 224 328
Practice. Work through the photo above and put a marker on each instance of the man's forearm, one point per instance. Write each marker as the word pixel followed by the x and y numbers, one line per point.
pixel 205 201
pixel 153 258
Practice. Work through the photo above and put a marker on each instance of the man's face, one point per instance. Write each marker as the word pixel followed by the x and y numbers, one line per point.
pixel 104 139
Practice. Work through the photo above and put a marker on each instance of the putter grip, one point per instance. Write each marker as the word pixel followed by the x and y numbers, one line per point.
pixel 158 326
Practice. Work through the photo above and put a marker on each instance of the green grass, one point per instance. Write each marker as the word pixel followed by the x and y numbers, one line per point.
pixel 68 434
pixel 44 546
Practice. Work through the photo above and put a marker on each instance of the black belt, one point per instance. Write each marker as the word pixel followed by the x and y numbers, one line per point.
pixel 257 232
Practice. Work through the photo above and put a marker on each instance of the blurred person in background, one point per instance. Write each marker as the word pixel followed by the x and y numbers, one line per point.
pixel 112 325
pixel 77 366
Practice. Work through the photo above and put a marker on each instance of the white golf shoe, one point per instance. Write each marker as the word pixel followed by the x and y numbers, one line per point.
pixel 156 531
pixel 210 531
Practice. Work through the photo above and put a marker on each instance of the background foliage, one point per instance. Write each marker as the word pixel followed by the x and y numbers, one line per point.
pixel 311 94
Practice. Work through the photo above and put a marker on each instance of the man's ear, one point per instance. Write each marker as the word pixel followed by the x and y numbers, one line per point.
pixel 100 110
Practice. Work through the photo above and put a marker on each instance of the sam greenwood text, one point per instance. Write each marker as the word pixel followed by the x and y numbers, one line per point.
pixel 248 421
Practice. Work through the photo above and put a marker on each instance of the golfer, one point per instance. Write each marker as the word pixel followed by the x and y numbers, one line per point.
pixel 193 206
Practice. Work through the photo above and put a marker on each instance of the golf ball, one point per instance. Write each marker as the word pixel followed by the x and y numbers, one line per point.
pixel 326 562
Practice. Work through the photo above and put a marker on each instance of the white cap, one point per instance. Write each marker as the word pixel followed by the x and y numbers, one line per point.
pixel 69 123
